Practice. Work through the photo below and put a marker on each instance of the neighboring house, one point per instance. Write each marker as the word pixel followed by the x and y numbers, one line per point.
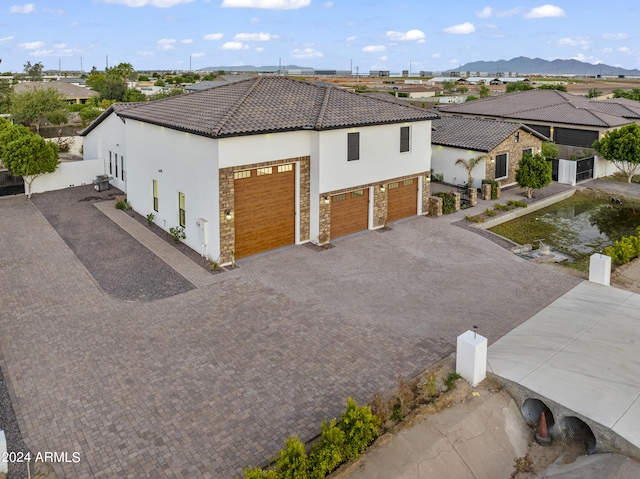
pixel 219 80
pixel 573 122
pixel 73 93
pixel 500 143
pixel 259 164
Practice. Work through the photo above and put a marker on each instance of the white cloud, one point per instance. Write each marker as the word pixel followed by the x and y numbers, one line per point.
pixel 384 58
pixel 436 55
pixel 27 8
pixel 53 11
pixel 187 41
pixel 607 50
pixel 267 4
pixel 32 45
pixel 615 36
pixel 545 11
pixel 374 48
pixel 74 24
pixel 6 39
pixel 411 35
pixel 166 44
pixel 305 53
pixel 254 20
pixel 59 45
pixel 232 46
pixel 197 55
pixel 487 12
pixel 328 5
pixel 490 26
pixel 213 36
pixel 57 52
pixel 462 29
pixel 259 49
pixel 253 37
pixel 144 3
pixel 145 53
pixel 582 42
pixel 624 49
pixel 351 38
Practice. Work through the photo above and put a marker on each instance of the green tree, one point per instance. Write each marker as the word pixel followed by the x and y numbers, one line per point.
pixel 33 72
pixel 594 93
pixel 122 71
pixel 550 149
pixel 462 89
pixel 5 96
pixel 484 91
pixel 360 427
pixel 143 78
pixel 469 165
pixel 622 147
pixel 88 114
pixel 59 118
pixel 166 94
pixel 293 462
pixel 448 85
pixel 633 94
pixel 534 172
pixel 132 94
pixel 9 133
pixel 159 82
pixel 30 157
pixel 553 86
pixel 29 106
pixel 518 86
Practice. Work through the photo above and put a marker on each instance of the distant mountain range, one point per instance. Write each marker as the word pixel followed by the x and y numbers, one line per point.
pixel 528 66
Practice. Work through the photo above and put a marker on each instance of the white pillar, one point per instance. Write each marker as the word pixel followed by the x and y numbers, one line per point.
pixel 4 466
pixel 600 269
pixel 471 357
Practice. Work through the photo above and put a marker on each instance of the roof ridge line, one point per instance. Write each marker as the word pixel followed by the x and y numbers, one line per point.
pixel 232 110
pixel 323 108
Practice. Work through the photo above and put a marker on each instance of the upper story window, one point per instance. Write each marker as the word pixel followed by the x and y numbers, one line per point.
pixel 353 146
pixel 182 210
pixel 155 195
pixel 404 139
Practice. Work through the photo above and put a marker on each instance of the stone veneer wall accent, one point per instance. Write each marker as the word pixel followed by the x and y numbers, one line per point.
pixel 473 197
pixel 227 227
pixel 527 140
pixel 435 206
pixel 380 199
pixel 426 193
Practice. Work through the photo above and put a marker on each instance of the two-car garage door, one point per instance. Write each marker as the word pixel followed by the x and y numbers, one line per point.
pixel 265 209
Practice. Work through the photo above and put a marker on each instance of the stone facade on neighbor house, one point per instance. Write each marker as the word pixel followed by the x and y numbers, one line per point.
pixel 499 144
pixel 323 140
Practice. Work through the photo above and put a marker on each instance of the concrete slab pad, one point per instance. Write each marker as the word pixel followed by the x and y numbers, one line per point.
pixel 581 352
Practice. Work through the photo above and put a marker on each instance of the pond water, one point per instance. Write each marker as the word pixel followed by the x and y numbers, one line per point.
pixel 578 226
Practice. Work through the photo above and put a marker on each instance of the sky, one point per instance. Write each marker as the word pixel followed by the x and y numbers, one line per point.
pixel 360 35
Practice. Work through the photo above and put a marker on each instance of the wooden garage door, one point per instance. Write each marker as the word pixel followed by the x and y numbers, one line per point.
pixel 264 203
pixel 402 200
pixel 349 213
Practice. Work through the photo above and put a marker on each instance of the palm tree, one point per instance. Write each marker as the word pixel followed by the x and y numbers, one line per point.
pixel 469 165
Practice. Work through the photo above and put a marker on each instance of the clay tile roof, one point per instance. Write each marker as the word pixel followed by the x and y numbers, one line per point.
pixel 473 133
pixel 619 107
pixel 541 105
pixel 270 104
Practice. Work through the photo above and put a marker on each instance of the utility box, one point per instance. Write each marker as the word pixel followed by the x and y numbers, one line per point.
pixel 471 357
pixel 203 231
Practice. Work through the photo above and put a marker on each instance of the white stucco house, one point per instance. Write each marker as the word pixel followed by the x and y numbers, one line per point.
pixel 266 162
pixel 500 144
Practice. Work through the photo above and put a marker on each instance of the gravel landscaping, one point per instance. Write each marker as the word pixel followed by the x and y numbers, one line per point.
pixel 91 236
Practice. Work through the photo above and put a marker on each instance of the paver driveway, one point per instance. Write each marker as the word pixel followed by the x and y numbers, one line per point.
pixel 204 382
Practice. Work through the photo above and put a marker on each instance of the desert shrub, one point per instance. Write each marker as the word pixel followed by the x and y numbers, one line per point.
pixel 177 233
pixel 450 380
pixel 257 473
pixel 448 201
pixel 406 395
pixel 475 219
pixel 360 427
pixel 517 204
pixel 625 249
pixel 293 462
pixel 430 386
pixel 489 212
pixel 328 453
pixel 380 407
pixel 123 205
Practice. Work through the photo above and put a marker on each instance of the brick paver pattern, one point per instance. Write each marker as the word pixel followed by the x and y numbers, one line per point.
pixel 205 382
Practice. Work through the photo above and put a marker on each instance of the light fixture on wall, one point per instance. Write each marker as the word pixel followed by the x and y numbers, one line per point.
pixel 493 160
pixel 325 199
pixel 427 179
pixel 159 171
pixel 227 215
pixel 382 188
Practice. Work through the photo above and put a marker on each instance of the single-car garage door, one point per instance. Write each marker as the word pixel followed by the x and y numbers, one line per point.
pixel 402 200
pixel 349 213
pixel 264 202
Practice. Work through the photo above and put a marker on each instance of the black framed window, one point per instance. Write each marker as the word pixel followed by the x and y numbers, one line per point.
pixel 116 162
pixel 122 166
pixel 155 195
pixel 110 163
pixel 353 146
pixel 182 215
pixel 404 139
pixel 501 165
